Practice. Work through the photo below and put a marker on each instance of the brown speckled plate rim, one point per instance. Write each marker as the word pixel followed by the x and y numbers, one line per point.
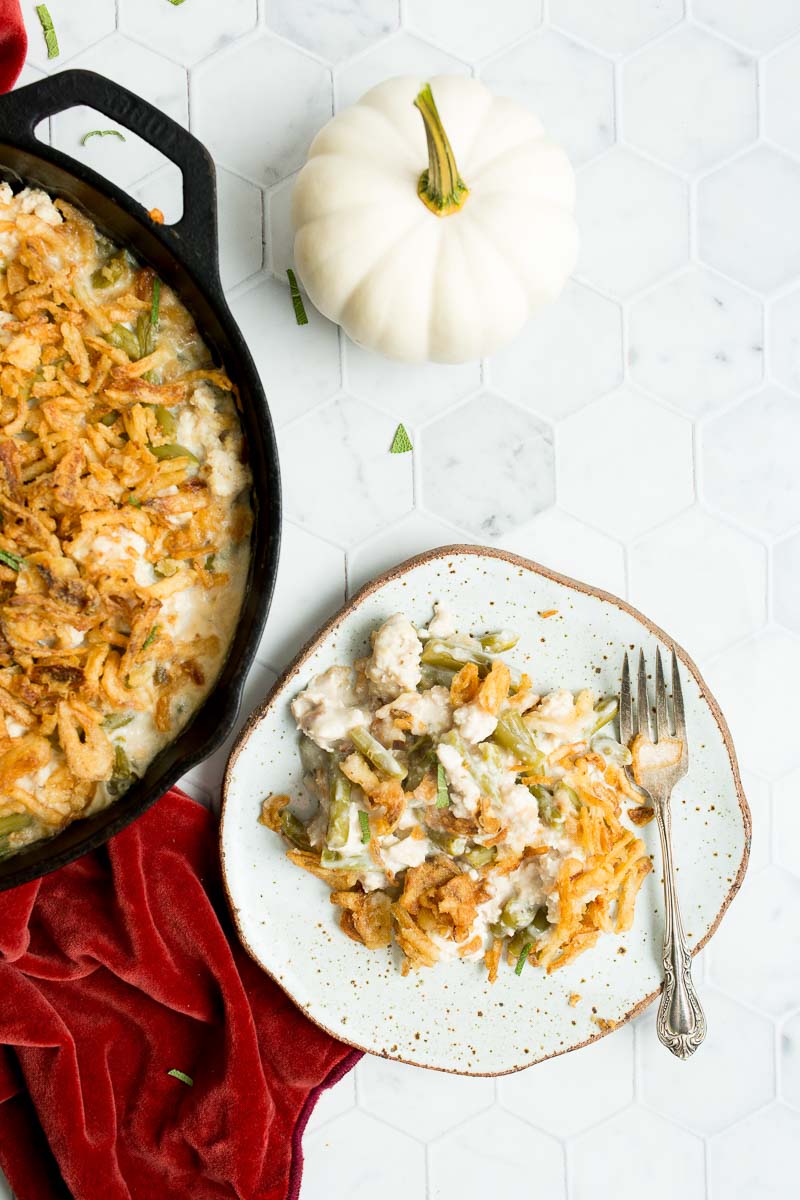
pixel 515 560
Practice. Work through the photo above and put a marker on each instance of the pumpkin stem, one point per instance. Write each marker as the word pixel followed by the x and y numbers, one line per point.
pixel 440 187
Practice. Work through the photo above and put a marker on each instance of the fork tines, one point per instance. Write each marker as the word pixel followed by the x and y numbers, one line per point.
pixel 635 718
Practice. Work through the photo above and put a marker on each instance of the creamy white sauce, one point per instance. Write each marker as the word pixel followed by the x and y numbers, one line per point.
pixel 394 665
pixel 464 791
pixel 443 623
pixel 430 711
pixel 329 707
pixel 474 723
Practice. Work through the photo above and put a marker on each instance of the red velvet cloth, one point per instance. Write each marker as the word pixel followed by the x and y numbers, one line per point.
pixel 13 43
pixel 116 969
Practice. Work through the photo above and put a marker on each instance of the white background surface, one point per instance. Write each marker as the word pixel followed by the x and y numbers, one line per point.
pixel 657 410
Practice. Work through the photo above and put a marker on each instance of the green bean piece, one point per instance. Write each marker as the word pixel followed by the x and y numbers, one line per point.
pixel 111 272
pixel 421 758
pixel 540 922
pixel 166 421
pixel 339 811
pixel 481 856
pixel 517 912
pixel 550 811
pixel 435 677
pixel 513 734
pixel 566 797
pixel 172 450
pixel 10 560
pixel 449 842
pixel 294 830
pixel 14 822
pixel 499 641
pixel 146 334
pixel 334 861
pixel 108 418
pixel 123 774
pixel 604 711
pixel 382 759
pixel 452 656
pixel 124 339
pixel 116 720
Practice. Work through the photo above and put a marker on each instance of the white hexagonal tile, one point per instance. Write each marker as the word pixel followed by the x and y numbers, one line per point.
pixel 298 364
pixel 749 459
pixel 558 541
pixel 570 88
pixel 756 950
pixel 787 821
pixel 401 54
pixel 757 1158
pixel 472 31
pixel 634 222
pixel 208 774
pixel 757 791
pixel 331 30
pixel 423 1103
pixel 498 1155
pixel 700 579
pixel 747 219
pixel 790 1061
pixel 656 1159
pixel 187 36
pixel 732 1073
pixel 625 464
pixel 267 77
pixel 339 478
pixel 783 339
pixel 755 682
pixel 77 27
pixel 308 590
pixel 355 1157
pixel 334 1102
pixel 162 190
pixel 414 534
pixel 238 218
pixel 618 26
pixel 697 341
pixel 751 22
pixel 782 97
pixel 570 354
pixel 708 115
pixel 157 80
pixel 515 476
pixel 280 233
pixel 786 582
pixel 413 393
pixel 560 1095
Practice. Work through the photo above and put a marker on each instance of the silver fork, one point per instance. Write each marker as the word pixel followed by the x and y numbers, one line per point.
pixel 681 1023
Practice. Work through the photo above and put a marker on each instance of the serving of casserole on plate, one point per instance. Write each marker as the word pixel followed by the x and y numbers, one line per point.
pixel 407 729
pixel 124 497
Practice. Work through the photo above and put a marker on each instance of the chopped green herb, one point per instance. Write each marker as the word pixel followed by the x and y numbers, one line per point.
pixel 151 637
pixel 297 299
pixel 102 133
pixel 134 500
pixel 175 1073
pixel 366 832
pixel 523 957
pixel 176 3
pixel 46 22
pixel 401 442
pixel 442 794
pixel 209 564
pixel 166 421
pixel 10 560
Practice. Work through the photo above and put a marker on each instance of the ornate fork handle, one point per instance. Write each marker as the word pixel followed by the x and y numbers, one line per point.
pixel 681 1022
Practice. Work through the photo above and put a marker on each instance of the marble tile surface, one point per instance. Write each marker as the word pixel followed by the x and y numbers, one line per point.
pixel 642 435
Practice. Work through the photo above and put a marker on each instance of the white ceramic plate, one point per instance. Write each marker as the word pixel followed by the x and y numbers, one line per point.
pixel 450 1017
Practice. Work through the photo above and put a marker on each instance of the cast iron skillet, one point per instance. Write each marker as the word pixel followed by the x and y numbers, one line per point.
pixel 184 255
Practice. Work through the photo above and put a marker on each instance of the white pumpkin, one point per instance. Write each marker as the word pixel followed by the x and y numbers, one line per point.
pixel 444 264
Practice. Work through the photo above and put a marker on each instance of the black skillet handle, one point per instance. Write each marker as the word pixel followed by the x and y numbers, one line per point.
pixel 196 232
